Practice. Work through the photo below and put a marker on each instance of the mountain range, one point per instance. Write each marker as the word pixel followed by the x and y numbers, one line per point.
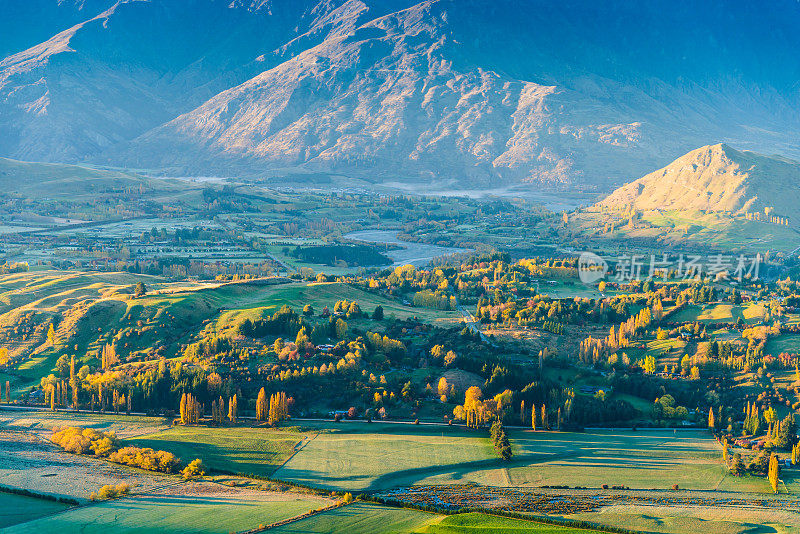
pixel 461 93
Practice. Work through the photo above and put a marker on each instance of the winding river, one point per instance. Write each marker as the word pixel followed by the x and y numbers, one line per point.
pixel 417 254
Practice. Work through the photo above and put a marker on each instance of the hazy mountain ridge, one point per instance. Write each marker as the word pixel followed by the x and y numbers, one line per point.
pixel 464 93
pixel 137 65
pixel 716 178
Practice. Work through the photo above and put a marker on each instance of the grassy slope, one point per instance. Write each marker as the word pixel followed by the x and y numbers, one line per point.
pixel 55 179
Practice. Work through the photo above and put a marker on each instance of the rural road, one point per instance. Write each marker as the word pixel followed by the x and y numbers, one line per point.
pixel 472 323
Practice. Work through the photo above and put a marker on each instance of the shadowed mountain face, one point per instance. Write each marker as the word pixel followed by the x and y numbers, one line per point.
pixel 464 93
pixel 719 179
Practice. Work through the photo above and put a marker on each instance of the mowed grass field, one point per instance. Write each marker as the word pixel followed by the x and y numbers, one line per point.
pixel 244 451
pixel 358 458
pixel 643 459
pixel 171 514
pixel 361 456
pixel 16 509
pixel 362 518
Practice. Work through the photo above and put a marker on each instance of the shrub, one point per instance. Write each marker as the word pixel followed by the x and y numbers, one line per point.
pixel 79 440
pixel 193 470
pixel 145 458
pixel 110 492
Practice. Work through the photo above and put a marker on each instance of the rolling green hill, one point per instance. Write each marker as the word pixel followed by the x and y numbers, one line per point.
pixel 30 179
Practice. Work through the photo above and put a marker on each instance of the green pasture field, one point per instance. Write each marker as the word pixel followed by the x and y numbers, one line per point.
pixel 645 459
pixel 789 343
pixel 243 451
pixel 319 295
pixel 721 313
pixel 277 252
pixel 170 514
pixel 665 351
pixel 16 509
pixel 474 523
pixel 362 518
pixel 362 456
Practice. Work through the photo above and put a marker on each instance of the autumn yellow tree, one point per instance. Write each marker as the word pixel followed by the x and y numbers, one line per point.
pixel 233 409
pixel 772 472
pixel 473 408
pixel 278 408
pixel 443 387
pixel 261 405
pixel 108 356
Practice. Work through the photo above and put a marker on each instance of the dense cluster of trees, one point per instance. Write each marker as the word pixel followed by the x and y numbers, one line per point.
pixel 190 409
pixel 274 410
pixel 341 255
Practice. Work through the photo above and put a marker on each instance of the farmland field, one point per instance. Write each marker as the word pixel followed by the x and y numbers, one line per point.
pixel 168 512
pixel 18 508
pixel 643 459
pixel 320 295
pixel 121 425
pixel 247 451
pixel 721 313
pixel 350 459
pixel 476 522
pixel 361 518
pixel 372 519
pixel 789 343
pixel 359 456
